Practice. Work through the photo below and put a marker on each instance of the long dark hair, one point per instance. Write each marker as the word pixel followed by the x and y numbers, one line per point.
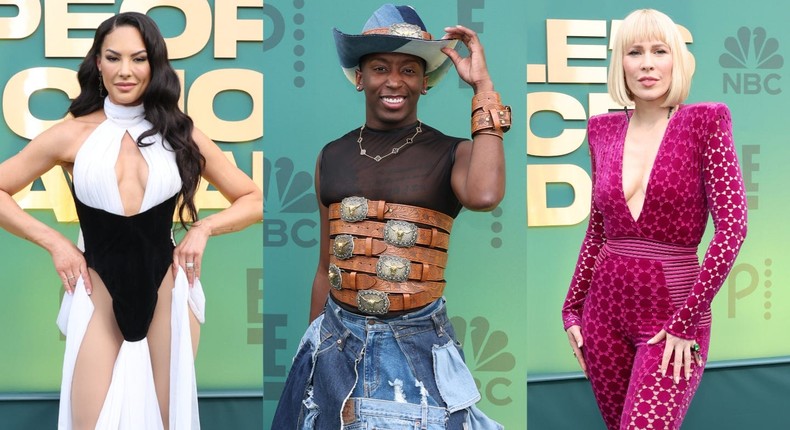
pixel 160 99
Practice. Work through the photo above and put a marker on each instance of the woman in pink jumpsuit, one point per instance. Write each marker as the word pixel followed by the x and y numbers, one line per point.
pixel 637 312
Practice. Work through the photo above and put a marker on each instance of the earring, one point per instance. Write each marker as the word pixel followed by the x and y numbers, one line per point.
pixel 101 87
pixel 359 87
pixel 625 110
pixel 424 91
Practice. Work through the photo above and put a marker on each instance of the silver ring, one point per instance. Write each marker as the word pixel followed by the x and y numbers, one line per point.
pixel 190 265
pixel 71 277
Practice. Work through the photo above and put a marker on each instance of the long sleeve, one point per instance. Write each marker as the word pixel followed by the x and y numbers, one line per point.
pixel 591 247
pixel 726 200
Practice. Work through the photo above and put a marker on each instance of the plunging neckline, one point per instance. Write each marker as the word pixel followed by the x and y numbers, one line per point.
pixel 126 117
pixel 636 220
pixel 104 144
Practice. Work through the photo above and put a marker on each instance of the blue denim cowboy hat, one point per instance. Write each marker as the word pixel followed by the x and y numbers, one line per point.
pixel 393 29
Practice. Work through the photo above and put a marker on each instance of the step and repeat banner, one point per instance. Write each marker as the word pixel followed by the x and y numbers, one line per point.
pixel 309 102
pixel 740 51
pixel 509 269
pixel 216 48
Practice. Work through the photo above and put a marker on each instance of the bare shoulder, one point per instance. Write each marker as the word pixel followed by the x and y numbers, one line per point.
pixel 64 139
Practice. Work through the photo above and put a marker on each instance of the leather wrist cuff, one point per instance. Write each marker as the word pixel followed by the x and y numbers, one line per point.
pixel 489 115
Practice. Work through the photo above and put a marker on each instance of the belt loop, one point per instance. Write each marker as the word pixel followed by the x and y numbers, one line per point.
pixel 434 237
pixel 352 277
pixel 424 424
pixel 424 274
pixel 437 325
pixel 368 246
pixel 380 209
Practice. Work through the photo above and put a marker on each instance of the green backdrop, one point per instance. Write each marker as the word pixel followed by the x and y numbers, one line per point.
pixel 509 269
pixel 32 37
pixel 309 103
pixel 751 311
pixel 739 50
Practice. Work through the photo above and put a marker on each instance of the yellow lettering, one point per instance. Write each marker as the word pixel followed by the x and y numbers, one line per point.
pixel 197 31
pixel 25 23
pixel 601 103
pixel 201 100
pixel 58 22
pixel 56 196
pixel 538 212
pixel 231 30
pixel 559 51
pixel 567 141
pixel 22 85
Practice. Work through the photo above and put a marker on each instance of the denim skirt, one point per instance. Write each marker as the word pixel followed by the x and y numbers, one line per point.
pixel 358 372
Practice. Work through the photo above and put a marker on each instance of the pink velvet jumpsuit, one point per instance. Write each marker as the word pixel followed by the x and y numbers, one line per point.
pixel 637 276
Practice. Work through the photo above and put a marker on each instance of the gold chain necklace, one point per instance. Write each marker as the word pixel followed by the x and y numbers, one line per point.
pixel 378 158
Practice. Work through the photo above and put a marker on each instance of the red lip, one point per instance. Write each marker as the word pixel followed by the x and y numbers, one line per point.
pixel 647 78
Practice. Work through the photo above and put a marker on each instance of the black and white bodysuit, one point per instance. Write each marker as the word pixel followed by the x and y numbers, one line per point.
pixel 132 255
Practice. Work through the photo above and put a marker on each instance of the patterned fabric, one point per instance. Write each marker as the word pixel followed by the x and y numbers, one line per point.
pixel 634 277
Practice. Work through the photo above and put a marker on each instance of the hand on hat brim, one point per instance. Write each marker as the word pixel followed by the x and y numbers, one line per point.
pixel 472 69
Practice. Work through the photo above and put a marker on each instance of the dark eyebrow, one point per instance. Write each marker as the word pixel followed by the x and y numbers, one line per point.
pixel 142 51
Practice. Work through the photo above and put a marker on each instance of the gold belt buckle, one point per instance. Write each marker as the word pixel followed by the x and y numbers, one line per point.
pixel 335 279
pixel 402 234
pixel 392 268
pixel 373 302
pixel 353 209
pixel 343 246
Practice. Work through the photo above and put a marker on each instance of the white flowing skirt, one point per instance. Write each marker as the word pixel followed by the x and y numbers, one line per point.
pixel 131 402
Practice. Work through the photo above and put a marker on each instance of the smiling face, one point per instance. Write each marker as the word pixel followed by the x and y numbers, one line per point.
pixel 124 67
pixel 647 66
pixel 393 84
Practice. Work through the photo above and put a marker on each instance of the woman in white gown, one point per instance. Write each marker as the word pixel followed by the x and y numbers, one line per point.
pixel 134 302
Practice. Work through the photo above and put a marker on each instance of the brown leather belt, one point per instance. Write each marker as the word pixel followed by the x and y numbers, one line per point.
pixel 397 302
pixel 362 281
pixel 381 210
pixel 372 247
pixel 417 272
pixel 386 257
pixel 432 238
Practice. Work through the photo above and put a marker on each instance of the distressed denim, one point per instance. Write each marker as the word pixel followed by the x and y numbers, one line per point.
pixel 360 372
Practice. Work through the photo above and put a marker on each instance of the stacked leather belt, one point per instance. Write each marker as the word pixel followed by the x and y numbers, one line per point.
pixel 386 257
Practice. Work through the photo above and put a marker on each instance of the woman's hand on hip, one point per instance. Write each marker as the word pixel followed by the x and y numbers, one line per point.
pixel 70 264
pixel 189 252
pixel 681 349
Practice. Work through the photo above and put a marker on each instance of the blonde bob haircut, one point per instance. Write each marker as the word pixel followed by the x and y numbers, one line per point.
pixel 645 25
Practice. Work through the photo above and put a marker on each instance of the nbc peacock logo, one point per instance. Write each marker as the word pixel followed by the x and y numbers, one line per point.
pixel 489 359
pixel 752 59
pixel 288 196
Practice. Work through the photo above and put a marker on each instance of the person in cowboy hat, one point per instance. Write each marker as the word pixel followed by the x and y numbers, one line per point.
pixel 381 348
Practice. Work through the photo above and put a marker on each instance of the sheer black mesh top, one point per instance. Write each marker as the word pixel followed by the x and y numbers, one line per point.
pixel 418 175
